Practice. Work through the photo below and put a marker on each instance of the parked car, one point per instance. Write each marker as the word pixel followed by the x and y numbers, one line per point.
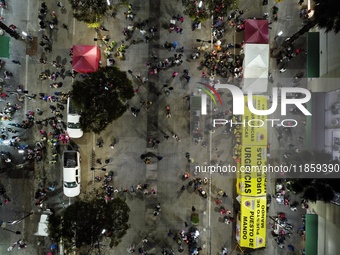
pixel 73 125
pixel 71 173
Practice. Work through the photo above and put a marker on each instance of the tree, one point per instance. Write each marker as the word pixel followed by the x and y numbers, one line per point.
pixel 314 189
pixel 311 194
pixel 101 98
pixel 89 11
pixel 326 15
pixel 85 223
pixel 207 8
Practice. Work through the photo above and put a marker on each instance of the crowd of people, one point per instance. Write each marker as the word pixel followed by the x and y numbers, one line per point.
pixel 52 129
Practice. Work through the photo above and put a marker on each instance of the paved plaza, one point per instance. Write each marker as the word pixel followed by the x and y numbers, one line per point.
pixel 132 134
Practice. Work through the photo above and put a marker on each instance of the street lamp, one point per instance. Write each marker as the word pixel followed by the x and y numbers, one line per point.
pixel 203 41
pixel 200 4
pixel 278 34
pixel 167 89
pixel 4 227
pixel 96 168
pixel 104 39
pixel 200 40
pixel 108 2
pixel 19 220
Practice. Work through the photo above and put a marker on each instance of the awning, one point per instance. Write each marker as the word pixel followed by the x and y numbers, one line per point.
pixel 313 55
pixel 251 180
pixel 85 58
pixel 255 64
pixel 251 228
pixel 4 46
pixel 256 31
pixel 311 246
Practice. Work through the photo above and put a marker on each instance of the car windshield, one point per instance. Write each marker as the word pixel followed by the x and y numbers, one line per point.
pixel 73 125
pixel 70 184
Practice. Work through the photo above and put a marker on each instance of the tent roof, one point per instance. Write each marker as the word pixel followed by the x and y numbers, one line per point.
pixel 256 31
pixel 255 74
pixel 85 58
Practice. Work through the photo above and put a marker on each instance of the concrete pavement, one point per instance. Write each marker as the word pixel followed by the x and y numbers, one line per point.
pixel 133 133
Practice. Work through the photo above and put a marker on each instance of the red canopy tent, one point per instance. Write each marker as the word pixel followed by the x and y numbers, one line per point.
pixel 85 58
pixel 256 31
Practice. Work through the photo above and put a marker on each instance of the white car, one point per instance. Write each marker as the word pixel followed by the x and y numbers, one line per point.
pixel 73 125
pixel 71 173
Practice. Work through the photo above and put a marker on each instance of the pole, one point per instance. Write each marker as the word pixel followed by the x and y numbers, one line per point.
pixel 19 220
pixel 15 232
pixel 4 225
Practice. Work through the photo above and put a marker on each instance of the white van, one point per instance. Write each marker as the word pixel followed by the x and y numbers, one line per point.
pixel 71 173
pixel 73 125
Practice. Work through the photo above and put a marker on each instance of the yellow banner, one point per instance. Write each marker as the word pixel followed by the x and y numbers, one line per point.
pixel 252 230
pixel 254 131
pixel 251 179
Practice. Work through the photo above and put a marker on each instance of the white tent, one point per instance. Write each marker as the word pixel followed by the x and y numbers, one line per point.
pixel 255 64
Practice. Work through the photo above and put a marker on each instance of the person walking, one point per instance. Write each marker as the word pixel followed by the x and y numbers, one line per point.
pixel 158 207
pixel 48 49
pixel 45 37
pixel 102 28
pixel 60 4
pixel 176 137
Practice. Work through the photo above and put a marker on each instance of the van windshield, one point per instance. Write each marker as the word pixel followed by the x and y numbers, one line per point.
pixel 70 184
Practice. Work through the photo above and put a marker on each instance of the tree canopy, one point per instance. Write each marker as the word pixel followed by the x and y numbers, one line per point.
pixel 314 189
pixel 326 15
pixel 101 97
pixel 208 8
pixel 83 222
pixel 89 11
